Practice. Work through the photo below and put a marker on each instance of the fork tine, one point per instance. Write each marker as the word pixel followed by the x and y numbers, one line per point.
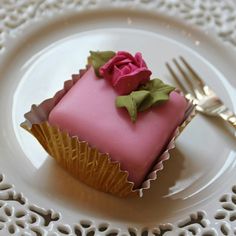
pixel 190 84
pixel 194 73
pixel 180 85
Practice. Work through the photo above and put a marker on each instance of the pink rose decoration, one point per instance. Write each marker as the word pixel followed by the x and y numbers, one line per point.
pixel 126 72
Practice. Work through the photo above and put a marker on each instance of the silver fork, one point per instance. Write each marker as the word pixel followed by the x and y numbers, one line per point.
pixel 205 99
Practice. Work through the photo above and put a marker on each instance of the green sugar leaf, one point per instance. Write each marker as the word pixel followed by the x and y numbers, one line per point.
pixel 153 99
pixel 159 92
pixel 129 103
pixel 152 93
pixel 99 58
pixel 156 84
pixel 139 96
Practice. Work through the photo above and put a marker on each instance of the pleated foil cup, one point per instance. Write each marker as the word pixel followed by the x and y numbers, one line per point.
pixel 86 163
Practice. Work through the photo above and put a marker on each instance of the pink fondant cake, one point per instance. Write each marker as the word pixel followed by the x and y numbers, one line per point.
pixel 88 111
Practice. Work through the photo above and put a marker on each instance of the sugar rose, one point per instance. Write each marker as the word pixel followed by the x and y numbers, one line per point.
pixel 125 72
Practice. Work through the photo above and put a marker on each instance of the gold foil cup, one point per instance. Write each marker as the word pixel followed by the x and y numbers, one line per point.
pixel 86 163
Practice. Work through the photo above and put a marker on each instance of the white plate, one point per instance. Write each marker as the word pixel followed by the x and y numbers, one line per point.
pixel 185 198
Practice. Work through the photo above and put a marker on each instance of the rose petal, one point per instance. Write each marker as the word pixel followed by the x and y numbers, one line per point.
pixel 133 67
pixel 128 83
pixel 124 62
pixel 126 70
pixel 139 60
pixel 107 69
pixel 125 55
pixel 116 74
pixel 113 61
pixel 106 73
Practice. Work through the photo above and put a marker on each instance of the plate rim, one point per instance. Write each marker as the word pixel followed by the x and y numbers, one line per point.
pixel 32 210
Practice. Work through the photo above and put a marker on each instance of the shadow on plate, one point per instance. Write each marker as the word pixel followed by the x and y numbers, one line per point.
pixel 75 196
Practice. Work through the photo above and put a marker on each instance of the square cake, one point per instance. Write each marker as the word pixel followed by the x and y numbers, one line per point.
pixel 111 126
pixel 88 111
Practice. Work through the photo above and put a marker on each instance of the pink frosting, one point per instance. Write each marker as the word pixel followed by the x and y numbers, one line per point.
pixel 88 111
pixel 126 72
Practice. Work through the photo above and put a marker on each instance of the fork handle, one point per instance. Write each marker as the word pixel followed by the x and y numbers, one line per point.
pixel 229 116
